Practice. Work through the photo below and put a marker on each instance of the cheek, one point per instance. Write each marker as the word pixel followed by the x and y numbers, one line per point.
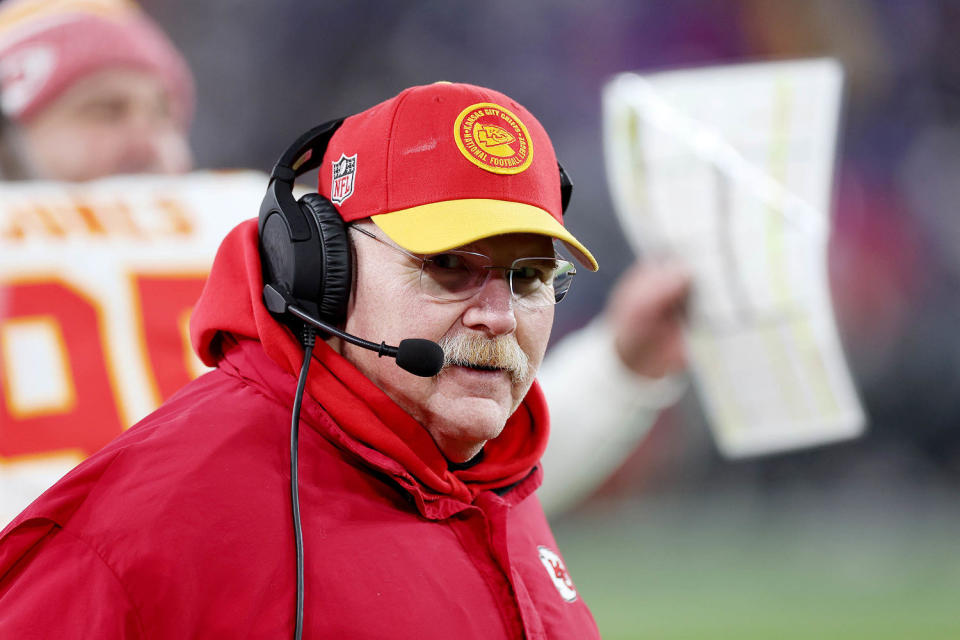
pixel 376 313
pixel 533 333
pixel 410 392
pixel 174 154
pixel 391 310
pixel 86 151
pixel 106 142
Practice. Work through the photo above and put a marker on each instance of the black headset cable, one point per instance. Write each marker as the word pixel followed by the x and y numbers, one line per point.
pixel 309 338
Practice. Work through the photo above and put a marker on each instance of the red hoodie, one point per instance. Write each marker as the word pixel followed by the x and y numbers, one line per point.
pixel 181 527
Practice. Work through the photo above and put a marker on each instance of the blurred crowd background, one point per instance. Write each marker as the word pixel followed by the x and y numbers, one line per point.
pixel 838 541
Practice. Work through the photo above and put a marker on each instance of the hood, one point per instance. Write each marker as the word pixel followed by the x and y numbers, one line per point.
pixel 231 306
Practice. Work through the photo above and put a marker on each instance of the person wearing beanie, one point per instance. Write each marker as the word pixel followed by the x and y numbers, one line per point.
pixel 403 503
pixel 90 88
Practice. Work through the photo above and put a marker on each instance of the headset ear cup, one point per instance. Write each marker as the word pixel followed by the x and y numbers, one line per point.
pixel 277 252
pixel 336 271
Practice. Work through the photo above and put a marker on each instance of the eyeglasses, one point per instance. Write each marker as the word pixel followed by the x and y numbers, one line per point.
pixel 457 275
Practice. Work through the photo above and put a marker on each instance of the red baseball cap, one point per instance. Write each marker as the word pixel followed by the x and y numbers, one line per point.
pixel 443 165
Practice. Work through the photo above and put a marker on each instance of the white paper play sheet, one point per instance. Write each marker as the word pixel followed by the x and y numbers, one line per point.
pixel 729 170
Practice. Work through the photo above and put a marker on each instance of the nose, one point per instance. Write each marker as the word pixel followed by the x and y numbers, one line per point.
pixel 155 144
pixel 491 309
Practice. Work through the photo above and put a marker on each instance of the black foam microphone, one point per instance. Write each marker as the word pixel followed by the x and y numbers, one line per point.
pixel 419 356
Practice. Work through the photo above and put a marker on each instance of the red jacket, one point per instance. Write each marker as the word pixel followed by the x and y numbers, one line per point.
pixel 181 527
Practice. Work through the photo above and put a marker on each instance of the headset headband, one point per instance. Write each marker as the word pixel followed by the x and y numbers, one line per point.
pixel 304 154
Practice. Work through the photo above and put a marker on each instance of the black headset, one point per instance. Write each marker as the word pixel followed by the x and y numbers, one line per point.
pixel 303 243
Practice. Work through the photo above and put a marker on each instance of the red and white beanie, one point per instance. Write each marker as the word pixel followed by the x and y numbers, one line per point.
pixel 47 45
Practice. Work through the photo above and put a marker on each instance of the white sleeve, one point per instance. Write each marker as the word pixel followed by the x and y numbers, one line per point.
pixel 599 412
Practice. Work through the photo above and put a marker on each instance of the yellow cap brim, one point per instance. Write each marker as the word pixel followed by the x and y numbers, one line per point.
pixel 441 226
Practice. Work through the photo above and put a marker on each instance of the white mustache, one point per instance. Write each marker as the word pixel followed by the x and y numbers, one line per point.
pixel 471 350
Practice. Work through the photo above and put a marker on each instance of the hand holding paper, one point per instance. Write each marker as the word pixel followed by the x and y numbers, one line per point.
pixel 729 170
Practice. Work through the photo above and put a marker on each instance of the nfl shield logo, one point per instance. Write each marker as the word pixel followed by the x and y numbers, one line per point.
pixel 344 172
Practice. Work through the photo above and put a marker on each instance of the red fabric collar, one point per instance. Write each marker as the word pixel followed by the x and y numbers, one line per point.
pixel 231 304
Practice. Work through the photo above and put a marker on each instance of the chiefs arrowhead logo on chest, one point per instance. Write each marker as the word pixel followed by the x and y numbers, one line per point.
pixel 558 573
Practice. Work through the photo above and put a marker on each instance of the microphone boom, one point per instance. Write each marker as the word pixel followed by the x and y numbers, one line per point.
pixel 419 356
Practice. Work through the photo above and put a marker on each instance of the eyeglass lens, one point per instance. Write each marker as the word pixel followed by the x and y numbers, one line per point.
pixel 535 282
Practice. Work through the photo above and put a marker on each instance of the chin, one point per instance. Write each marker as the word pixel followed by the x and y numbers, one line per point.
pixel 461 430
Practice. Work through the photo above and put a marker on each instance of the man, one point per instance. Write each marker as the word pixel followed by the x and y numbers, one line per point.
pixel 419 517
pixel 90 89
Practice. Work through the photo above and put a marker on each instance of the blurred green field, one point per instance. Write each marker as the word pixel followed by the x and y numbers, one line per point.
pixel 723 569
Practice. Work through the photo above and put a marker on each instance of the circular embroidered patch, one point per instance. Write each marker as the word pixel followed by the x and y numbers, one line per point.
pixel 558 573
pixel 492 138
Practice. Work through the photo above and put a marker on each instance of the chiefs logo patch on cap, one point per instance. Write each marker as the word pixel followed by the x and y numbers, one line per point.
pixel 493 138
